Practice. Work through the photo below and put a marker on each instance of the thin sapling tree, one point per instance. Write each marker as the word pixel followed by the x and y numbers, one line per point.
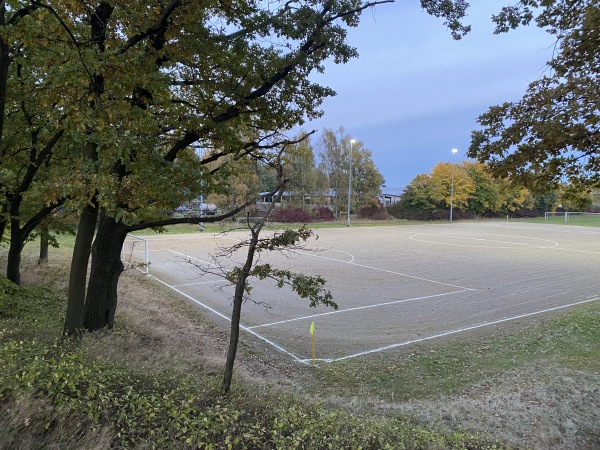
pixel 305 286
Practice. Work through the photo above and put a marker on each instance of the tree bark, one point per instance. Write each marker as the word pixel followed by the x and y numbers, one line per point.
pixel 78 274
pixel 4 64
pixel 240 284
pixel 236 313
pixel 44 239
pixel 101 300
pixel 17 241
pixel 3 222
pixel 18 236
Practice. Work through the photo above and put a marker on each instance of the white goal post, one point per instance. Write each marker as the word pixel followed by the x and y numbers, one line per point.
pixel 570 214
pixel 566 215
pixel 553 214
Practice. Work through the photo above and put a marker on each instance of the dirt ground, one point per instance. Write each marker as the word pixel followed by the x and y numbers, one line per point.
pixel 394 285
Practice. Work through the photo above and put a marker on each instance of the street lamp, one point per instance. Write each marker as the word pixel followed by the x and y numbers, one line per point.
pixel 352 141
pixel 454 150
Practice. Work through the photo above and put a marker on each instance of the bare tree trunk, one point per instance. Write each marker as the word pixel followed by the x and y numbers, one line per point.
pixel 240 283
pixel 3 221
pixel 44 238
pixel 17 241
pixel 74 319
pixel 78 274
pixel 237 310
pixel 18 236
pixel 101 299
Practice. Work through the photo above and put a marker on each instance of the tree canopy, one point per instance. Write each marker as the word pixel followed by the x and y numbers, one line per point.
pixel 123 110
pixel 552 134
pixel 335 148
pixel 477 194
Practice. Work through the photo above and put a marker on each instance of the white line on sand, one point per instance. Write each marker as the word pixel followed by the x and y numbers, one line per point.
pixel 376 350
pixel 355 309
pixel 199 283
pixel 191 257
pixel 460 330
pixel 223 316
pixel 415 237
pixel 364 266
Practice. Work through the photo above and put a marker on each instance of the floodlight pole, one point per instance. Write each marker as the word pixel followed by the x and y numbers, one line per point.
pixel 201 211
pixel 454 150
pixel 352 141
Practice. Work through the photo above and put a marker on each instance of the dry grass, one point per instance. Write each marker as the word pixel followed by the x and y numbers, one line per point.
pixel 24 428
pixel 534 408
pixel 158 329
pixel 539 407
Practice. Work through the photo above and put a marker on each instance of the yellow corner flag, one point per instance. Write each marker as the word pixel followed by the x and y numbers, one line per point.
pixel 312 328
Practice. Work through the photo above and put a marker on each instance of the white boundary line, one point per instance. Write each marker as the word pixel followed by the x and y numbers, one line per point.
pixel 460 330
pixel 380 349
pixel 364 266
pixel 199 283
pixel 191 257
pixel 415 237
pixel 223 316
pixel 357 308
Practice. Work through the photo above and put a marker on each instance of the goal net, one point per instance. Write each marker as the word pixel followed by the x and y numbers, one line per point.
pixel 574 217
pixel 584 218
pixel 553 215
pixel 134 253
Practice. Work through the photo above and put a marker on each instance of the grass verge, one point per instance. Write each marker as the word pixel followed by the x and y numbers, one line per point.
pixel 570 341
pixel 55 393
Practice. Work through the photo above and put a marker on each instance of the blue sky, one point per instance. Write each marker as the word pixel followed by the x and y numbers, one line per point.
pixel 414 93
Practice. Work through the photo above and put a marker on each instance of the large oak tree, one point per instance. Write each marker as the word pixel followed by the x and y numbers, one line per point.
pixel 136 88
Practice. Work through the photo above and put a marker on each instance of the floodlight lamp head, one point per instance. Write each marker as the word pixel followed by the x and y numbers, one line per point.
pixel 352 141
pixel 454 150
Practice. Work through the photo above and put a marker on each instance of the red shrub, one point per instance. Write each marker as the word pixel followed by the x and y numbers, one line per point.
pixel 323 214
pixel 373 212
pixel 292 215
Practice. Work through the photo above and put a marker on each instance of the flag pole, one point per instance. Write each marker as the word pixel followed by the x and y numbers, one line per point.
pixel 312 332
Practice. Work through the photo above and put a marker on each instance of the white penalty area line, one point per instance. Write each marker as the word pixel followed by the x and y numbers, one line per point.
pixel 415 237
pixel 460 330
pixel 223 316
pixel 358 308
pixel 198 283
pixel 364 266
pixel 191 257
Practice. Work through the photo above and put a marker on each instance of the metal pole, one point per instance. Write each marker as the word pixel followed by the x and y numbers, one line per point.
pixel 350 181
pixel 146 257
pixel 201 212
pixel 452 183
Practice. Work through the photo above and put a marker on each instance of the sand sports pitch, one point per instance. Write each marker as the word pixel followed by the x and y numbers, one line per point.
pixel 395 285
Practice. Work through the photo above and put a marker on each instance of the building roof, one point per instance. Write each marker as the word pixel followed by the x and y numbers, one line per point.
pixel 393 191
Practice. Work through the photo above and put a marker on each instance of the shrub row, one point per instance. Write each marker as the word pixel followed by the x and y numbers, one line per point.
pixel 298 215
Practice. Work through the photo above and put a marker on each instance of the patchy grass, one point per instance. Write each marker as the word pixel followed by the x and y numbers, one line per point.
pixel 427 371
pixel 582 221
pixel 534 385
pixel 55 393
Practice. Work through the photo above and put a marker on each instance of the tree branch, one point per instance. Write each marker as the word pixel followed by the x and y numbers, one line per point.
pixel 158 26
